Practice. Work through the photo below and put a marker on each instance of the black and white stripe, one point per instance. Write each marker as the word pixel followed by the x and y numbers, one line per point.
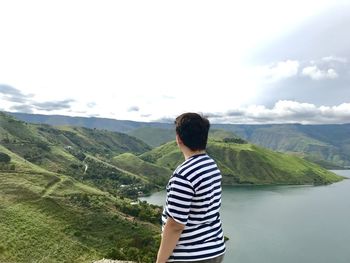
pixel 194 199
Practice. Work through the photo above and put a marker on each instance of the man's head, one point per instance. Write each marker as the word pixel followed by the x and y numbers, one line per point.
pixel 192 129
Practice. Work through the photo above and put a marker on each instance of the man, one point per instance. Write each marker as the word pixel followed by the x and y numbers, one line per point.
pixel 191 230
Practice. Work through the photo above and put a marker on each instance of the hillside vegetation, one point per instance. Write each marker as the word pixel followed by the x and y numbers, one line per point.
pixel 249 164
pixel 81 153
pixel 49 217
pixel 61 201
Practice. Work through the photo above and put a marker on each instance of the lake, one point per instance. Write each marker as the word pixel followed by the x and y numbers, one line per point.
pixel 289 224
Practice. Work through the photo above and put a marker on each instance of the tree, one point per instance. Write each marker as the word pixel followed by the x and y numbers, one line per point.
pixel 235 140
pixel 4 158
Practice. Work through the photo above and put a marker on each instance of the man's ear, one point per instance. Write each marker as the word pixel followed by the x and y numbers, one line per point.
pixel 178 140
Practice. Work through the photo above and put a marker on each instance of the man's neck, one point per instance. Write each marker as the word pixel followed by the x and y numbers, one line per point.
pixel 189 153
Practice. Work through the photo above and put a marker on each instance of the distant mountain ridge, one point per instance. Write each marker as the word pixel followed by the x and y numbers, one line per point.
pixel 328 145
pixel 124 126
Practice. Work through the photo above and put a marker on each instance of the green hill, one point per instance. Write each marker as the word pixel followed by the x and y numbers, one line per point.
pixel 249 164
pixel 92 140
pixel 62 201
pixel 49 217
pixel 328 145
pixel 81 153
pixel 130 162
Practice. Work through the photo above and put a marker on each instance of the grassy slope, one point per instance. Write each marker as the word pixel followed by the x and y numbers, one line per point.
pixel 64 149
pixel 58 149
pixel 47 217
pixel 130 162
pixel 249 164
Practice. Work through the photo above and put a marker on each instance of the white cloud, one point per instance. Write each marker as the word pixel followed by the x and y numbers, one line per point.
pixel 317 74
pixel 334 58
pixel 286 111
pixel 125 56
pixel 342 110
pixel 278 71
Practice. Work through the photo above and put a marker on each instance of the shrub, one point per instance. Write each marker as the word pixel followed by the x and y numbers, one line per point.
pixel 234 140
pixel 4 158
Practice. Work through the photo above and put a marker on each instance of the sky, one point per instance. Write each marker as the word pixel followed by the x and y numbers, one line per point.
pixel 271 61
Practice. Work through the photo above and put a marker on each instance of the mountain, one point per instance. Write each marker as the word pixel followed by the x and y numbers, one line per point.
pixel 327 145
pixel 244 163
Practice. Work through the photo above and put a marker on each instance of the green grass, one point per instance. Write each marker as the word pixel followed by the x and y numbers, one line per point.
pixel 47 215
pixel 168 155
pixel 51 218
pixel 155 174
pixel 255 165
pixel 28 235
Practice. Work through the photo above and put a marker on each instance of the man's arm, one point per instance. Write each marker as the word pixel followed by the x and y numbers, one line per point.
pixel 170 237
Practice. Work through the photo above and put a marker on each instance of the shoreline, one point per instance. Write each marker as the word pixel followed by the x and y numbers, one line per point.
pixel 267 185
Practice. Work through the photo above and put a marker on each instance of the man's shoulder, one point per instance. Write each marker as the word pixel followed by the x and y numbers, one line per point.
pixel 193 165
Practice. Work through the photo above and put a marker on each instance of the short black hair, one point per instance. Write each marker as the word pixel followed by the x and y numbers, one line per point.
pixel 193 129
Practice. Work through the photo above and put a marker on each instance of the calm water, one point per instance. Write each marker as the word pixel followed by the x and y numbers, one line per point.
pixel 289 224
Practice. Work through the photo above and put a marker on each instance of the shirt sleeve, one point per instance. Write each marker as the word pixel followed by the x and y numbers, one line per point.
pixel 179 198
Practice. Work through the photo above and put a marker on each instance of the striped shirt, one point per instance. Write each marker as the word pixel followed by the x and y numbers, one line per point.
pixel 194 200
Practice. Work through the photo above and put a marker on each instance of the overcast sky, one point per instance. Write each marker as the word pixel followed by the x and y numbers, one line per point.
pixel 246 61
